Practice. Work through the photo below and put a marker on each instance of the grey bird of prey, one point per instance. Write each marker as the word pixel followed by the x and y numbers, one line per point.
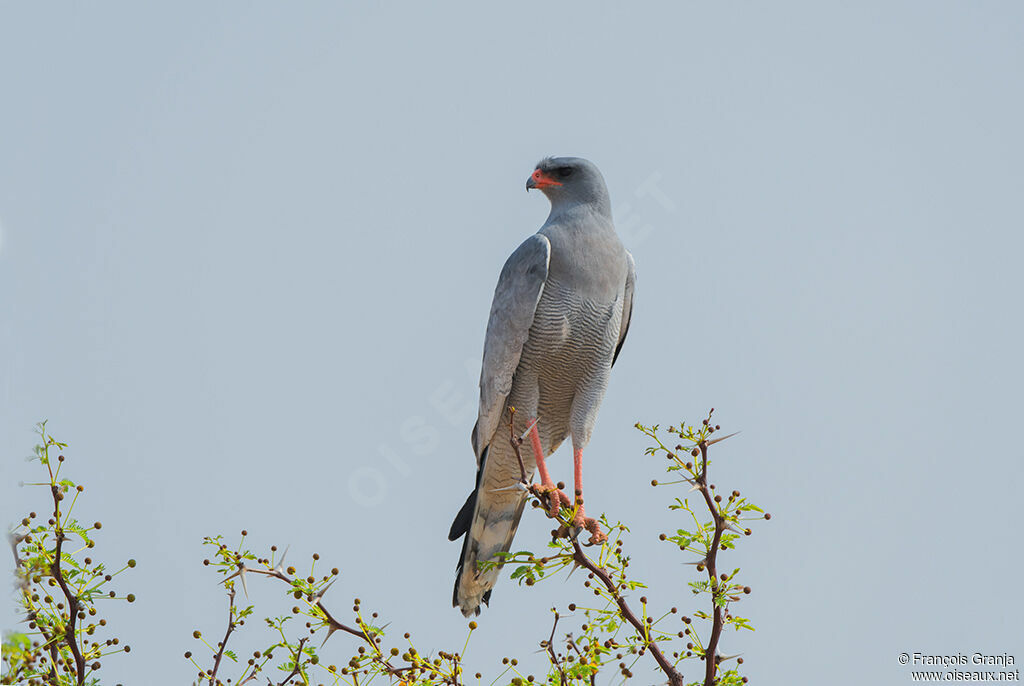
pixel 558 320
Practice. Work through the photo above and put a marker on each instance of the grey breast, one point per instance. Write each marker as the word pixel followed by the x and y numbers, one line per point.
pixel 566 361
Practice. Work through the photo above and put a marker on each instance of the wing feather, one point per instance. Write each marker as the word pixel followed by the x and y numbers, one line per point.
pixel 515 302
pixel 627 306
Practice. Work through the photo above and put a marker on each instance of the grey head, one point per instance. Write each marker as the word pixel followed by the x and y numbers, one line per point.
pixel 570 181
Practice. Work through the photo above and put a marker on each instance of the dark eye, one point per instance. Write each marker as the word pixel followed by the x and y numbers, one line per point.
pixel 564 172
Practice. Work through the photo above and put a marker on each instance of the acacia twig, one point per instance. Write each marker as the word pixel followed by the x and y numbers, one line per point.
pixel 675 678
pixel 298 662
pixel 516 441
pixel 227 634
pixel 333 624
pixel 551 651
pixel 73 603
pixel 317 601
pixel 50 642
pixel 711 652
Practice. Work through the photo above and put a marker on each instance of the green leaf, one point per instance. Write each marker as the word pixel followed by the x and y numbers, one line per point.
pixel 16 640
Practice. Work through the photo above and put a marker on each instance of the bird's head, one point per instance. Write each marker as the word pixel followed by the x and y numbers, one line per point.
pixel 568 179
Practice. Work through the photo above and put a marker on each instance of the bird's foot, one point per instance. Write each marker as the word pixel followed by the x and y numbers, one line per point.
pixel 582 521
pixel 597 537
pixel 555 496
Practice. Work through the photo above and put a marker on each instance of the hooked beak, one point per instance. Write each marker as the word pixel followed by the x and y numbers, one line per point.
pixel 539 179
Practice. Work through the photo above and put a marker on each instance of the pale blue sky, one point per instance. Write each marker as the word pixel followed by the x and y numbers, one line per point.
pixel 247 254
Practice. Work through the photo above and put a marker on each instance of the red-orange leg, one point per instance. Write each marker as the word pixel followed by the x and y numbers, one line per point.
pixel 555 497
pixel 581 519
pixel 538 455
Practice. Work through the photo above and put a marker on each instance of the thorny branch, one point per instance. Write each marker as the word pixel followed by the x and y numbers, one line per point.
pixel 73 604
pixel 298 661
pixel 278 572
pixel 516 441
pixel 364 632
pixel 724 514
pixel 675 678
pixel 57 589
pixel 711 654
pixel 710 538
pixel 554 657
pixel 227 634
pixel 48 640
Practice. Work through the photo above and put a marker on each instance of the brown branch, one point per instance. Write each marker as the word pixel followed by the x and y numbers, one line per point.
pixel 711 653
pixel 554 657
pixel 51 645
pixel 332 623
pixel 335 624
pixel 278 573
pixel 224 643
pixel 298 662
pixel 23 585
pixel 675 678
pixel 54 657
pixel 516 441
pixel 73 603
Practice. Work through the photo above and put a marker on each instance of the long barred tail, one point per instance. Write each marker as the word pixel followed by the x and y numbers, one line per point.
pixel 489 519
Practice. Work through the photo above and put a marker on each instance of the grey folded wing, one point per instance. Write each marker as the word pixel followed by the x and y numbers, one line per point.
pixel 627 305
pixel 515 302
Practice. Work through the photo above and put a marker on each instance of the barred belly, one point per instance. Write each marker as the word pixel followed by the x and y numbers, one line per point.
pixel 564 368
